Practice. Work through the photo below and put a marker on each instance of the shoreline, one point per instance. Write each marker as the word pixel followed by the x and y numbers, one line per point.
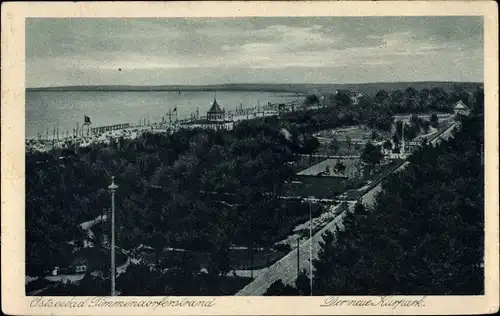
pixel 45 145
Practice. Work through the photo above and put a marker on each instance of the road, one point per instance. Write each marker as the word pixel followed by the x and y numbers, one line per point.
pixel 286 268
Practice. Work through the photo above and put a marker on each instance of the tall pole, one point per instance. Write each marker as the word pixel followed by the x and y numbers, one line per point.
pixel 403 137
pixel 113 188
pixel 298 255
pixel 310 248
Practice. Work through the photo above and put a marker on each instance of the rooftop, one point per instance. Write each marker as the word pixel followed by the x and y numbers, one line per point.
pixel 460 105
pixel 215 108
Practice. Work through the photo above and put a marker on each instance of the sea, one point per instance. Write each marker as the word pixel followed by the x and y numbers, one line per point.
pixel 64 110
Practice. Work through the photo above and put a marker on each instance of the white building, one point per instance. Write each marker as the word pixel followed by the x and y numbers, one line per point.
pixel 461 108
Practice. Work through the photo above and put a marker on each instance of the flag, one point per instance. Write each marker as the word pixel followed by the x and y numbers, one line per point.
pixel 87 119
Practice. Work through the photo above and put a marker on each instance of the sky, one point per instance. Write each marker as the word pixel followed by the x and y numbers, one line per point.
pixel 200 51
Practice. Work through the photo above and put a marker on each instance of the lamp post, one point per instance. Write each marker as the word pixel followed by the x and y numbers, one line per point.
pixel 298 256
pixel 113 188
pixel 402 137
pixel 310 246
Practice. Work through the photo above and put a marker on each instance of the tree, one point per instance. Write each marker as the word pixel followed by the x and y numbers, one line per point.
pixel 349 144
pixel 371 154
pixel 277 288
pixel 415 121
pixel 340 167
pixel 311 100
pixel 323 268
pixel 335 145
pixel 310 145
pixel 434 120
pixel 381 119
pixel 387 145
pixel 382 97
pixel 327 170
pixel 478 101
pixel 342 98
pixel 220 260
pixel 302 283
pixel 424 96
pixel 425 126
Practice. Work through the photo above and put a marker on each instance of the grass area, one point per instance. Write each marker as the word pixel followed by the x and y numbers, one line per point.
pixel 342 150
pixel 341 134
pixel 304 162
pixel 319 187
pixel 330 187
pixel 327 168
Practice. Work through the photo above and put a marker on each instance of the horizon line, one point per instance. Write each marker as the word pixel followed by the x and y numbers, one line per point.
pixel 248 83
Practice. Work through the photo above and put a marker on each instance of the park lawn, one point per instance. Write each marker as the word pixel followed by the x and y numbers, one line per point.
pixel 341 134
pixel 326 168
pixel 331 187
pixel 343 149
pixel 319 187
pixel 304 162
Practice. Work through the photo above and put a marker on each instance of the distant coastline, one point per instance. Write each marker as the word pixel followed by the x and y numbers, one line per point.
pixel 263 87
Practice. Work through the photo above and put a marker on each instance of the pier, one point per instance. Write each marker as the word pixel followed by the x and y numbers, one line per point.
pixel 103 129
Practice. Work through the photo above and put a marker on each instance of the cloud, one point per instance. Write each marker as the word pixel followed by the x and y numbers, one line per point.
pixel 89 51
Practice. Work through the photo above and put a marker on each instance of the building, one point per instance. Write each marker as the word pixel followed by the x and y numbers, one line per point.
pixel 460 108
pixel 413 146
pixel 217 118
pixel 216 114
pixel 103 129
pixel 286 133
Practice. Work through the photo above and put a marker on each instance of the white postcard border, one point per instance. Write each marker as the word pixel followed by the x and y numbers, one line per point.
pixel 14 300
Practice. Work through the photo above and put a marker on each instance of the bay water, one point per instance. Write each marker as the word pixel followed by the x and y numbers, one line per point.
pixel 65 109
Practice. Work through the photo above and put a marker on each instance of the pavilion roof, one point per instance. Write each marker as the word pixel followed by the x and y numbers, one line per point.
pixel 215 108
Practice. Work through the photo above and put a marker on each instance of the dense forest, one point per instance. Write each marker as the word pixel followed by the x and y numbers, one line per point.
pixel 165 195
pixel 424 235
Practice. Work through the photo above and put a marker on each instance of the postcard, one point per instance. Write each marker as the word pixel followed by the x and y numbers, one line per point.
pixel 250 158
